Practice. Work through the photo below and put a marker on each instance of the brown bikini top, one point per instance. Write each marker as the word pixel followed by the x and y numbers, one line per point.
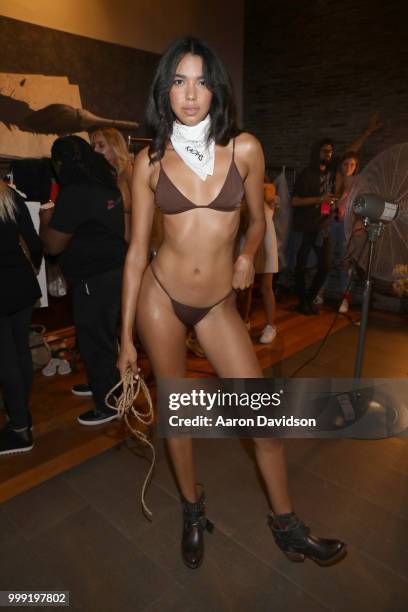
pixel 171 201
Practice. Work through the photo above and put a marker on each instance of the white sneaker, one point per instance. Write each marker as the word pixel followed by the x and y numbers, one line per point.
pixel 318 300
pixel 268 334
pixel 64 367
pixel 344 307
pixel 51 368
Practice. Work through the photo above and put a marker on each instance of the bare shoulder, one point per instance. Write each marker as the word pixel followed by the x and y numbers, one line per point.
pixel 142 166
pixel 246 146
pixel 145 173
pixel 248 152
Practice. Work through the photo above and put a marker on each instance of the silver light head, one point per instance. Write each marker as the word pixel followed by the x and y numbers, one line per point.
pixel 375 208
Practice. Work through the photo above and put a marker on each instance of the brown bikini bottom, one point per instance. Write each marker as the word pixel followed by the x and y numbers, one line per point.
pixel 188 315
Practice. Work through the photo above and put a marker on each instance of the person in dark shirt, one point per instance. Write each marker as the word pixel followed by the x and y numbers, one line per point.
pixel 312 191
pixel 19 291
pixel 313 199
pixel 86 229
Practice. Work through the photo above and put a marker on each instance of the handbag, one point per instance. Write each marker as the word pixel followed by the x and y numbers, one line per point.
pixel 40 349
pixel 56 283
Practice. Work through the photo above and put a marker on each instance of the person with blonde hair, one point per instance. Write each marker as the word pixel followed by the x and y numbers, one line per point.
pixel 110 143
pixel 19 291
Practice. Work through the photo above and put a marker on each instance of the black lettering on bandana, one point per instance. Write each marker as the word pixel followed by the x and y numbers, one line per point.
pixel 199 155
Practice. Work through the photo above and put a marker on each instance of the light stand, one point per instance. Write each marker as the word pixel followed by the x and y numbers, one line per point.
pixel 374 231
pixel 367 410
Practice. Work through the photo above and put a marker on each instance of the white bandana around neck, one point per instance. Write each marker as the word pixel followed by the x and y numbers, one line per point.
pixel 190 142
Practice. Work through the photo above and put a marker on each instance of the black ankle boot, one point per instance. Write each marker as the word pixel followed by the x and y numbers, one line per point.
pixel 294 538
pixel 194 523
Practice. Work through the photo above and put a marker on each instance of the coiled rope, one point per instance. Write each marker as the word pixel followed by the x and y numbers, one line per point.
pixel 131 385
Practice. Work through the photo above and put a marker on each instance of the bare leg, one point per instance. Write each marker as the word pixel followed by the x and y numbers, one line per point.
pixel 163 337
pixel 228 347
pixel 224 339
pixel 268 298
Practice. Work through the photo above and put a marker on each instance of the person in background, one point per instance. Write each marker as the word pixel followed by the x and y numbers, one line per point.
pixel 313 199
pixel 271 265
pixel 111 144
pixel 348 168
pixel 86 228
pixel 266 264
pixel 20 290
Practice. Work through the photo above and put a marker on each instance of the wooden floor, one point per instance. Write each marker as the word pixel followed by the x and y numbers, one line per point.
pixel 61 443
pixel 83 531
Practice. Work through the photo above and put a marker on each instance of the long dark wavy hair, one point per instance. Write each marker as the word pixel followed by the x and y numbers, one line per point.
pixel 77 162
pixel 159 114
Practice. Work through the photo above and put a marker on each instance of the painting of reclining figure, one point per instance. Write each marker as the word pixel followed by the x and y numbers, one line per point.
pixel 54 83
pixel 34 109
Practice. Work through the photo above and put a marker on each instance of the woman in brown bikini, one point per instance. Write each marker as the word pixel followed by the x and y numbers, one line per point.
pixel 197 170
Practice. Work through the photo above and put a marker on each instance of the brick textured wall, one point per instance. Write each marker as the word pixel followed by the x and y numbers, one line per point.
pixel 320 67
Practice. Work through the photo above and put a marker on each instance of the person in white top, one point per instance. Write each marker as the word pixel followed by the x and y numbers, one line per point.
pixel 270 265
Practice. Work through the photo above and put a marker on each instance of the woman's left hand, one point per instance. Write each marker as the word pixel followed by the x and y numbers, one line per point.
pixel 244 272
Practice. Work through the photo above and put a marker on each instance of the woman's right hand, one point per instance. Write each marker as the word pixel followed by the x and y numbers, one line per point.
pixel 127 359
pixel 244 272
pixel 326 197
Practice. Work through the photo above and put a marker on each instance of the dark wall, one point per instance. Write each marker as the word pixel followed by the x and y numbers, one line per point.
pixel 320 67
pixel 113 80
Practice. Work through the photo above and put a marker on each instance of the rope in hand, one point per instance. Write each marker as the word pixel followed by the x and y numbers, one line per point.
pixel 131 385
